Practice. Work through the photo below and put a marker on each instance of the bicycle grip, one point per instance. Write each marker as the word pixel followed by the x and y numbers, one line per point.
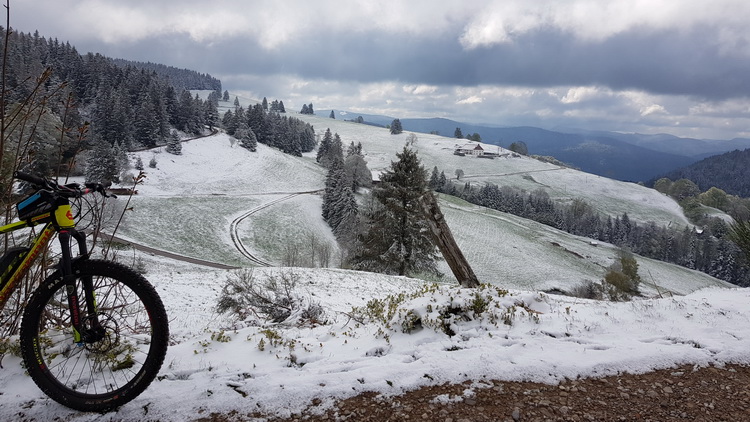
pixel 34 180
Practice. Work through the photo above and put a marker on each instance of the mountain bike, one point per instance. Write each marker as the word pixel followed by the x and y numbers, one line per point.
pixel 94 333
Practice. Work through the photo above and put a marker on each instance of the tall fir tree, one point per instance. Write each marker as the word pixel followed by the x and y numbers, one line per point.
pixel 246 136
pixel 397 239
pixel 174 145
pixel 325 145
pixel 333 187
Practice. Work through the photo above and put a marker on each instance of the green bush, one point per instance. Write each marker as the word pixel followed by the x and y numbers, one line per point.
pixel 622 280
pixel 442 309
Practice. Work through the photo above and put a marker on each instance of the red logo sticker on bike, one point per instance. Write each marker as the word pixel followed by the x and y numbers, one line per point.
pixel 69 215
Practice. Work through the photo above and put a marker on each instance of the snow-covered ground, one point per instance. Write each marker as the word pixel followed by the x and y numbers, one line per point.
pixel 194 197
pixel 217 364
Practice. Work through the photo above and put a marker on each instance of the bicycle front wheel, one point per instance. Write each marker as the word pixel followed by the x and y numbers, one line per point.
pixel 104 374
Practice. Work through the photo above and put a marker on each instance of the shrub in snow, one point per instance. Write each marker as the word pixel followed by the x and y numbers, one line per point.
pixel 274 299
pixel 588 290
pixel 622 280
pixel 449 310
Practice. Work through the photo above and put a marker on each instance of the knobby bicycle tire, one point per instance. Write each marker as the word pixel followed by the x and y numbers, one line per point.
pixel 106 374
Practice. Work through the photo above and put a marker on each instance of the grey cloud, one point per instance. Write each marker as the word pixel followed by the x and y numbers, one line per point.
pixel 668 62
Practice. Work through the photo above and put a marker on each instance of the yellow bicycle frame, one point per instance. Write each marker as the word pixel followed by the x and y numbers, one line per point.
pixel 59 219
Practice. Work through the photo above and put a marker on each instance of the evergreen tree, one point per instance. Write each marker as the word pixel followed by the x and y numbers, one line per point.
pixel 226 96
pixel 739 233
pixel 226 121
pixel 304 110
pixel 325 145
pixel 347 214
pixel 354 149
pixel 210 114
pixel 102 166
pixel 332 115
pixel 442 181
pixel 255 118
pixel 264 104
pixel 333 188
pixel 434 179
pixel 139 163
pixel 233 120
pixel 307 138
pixel 146 127
pixel 397 239
pixel 396 127
pixel 246 136
pixel 457 133
pixel 174 145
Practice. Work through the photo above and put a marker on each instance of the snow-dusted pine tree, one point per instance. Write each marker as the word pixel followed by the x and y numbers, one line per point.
pixel 397 239
pixel 174 146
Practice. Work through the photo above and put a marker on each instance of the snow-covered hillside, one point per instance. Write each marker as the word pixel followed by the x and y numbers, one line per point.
pixel 218 365
pixel 196 196
pixel 190 204
pixel 606 195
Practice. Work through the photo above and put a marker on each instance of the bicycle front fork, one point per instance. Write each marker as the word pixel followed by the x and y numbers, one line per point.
pixel 86 326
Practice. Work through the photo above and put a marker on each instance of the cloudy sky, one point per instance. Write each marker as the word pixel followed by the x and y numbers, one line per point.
pixel 648 66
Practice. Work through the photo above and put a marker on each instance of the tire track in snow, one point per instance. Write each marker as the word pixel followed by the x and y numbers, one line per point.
pixel 234 228
pixel 510 174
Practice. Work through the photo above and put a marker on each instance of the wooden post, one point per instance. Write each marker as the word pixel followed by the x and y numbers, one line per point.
pixel 443 237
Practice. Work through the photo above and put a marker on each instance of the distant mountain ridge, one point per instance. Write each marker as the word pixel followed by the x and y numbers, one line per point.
pixel 729 172
pixel 629 157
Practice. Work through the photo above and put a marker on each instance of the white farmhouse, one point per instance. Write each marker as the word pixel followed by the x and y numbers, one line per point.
pixel 469 149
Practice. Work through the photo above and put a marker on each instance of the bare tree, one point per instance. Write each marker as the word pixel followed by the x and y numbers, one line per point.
pixel 312 238
pixel 324 255
pixel 291 255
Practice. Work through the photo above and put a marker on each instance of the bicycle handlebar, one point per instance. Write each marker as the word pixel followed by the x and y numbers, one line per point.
pixel 34 180
pixel 70 190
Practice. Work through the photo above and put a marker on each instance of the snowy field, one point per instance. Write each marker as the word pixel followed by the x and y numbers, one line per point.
pixel 216 364
pixel 196 196
pixel 606 195
pixel 189 203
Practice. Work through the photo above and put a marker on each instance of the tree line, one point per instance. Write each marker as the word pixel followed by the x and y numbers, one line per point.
pixel 710 250
pixel 729 172
pixel 288 134
pixel 97 104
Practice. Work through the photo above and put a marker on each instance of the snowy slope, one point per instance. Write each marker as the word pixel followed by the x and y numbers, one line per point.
pixel 215 363
pixel 197 195
pixel 607 195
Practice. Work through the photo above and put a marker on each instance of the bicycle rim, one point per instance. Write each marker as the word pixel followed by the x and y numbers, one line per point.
pixel 107 373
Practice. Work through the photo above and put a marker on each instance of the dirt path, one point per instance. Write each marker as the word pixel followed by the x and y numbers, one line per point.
pixel 685 393
pixel 171 255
